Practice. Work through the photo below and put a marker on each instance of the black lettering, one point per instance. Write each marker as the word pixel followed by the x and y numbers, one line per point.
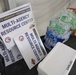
pixel 6 25
pixel 7 58
pixel 22 18
pixel 36 55
pixel 3 33
pixel 12 22
pixel 32 36
pixel 10 30
pixel 38 49
pixel 11 56
pixel 32 46
pixel 4 52
pixel 26 22
pixel 29 40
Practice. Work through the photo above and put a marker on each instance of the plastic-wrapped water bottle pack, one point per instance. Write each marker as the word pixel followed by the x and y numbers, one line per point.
pixel 60 28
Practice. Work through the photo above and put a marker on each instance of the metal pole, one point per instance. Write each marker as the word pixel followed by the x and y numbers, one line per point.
pixel 9 4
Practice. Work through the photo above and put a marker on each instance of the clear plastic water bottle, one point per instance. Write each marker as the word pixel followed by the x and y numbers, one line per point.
pixel 52 37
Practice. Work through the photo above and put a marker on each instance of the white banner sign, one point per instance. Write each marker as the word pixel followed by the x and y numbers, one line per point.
pixel 14 22
pixel 30 46
pixel 10 56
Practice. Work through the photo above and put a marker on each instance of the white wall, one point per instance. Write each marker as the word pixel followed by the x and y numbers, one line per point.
pixel 43 10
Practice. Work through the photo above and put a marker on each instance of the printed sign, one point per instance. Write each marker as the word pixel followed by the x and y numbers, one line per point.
pixel 30 46
pixel 15 22
pixel 10 56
